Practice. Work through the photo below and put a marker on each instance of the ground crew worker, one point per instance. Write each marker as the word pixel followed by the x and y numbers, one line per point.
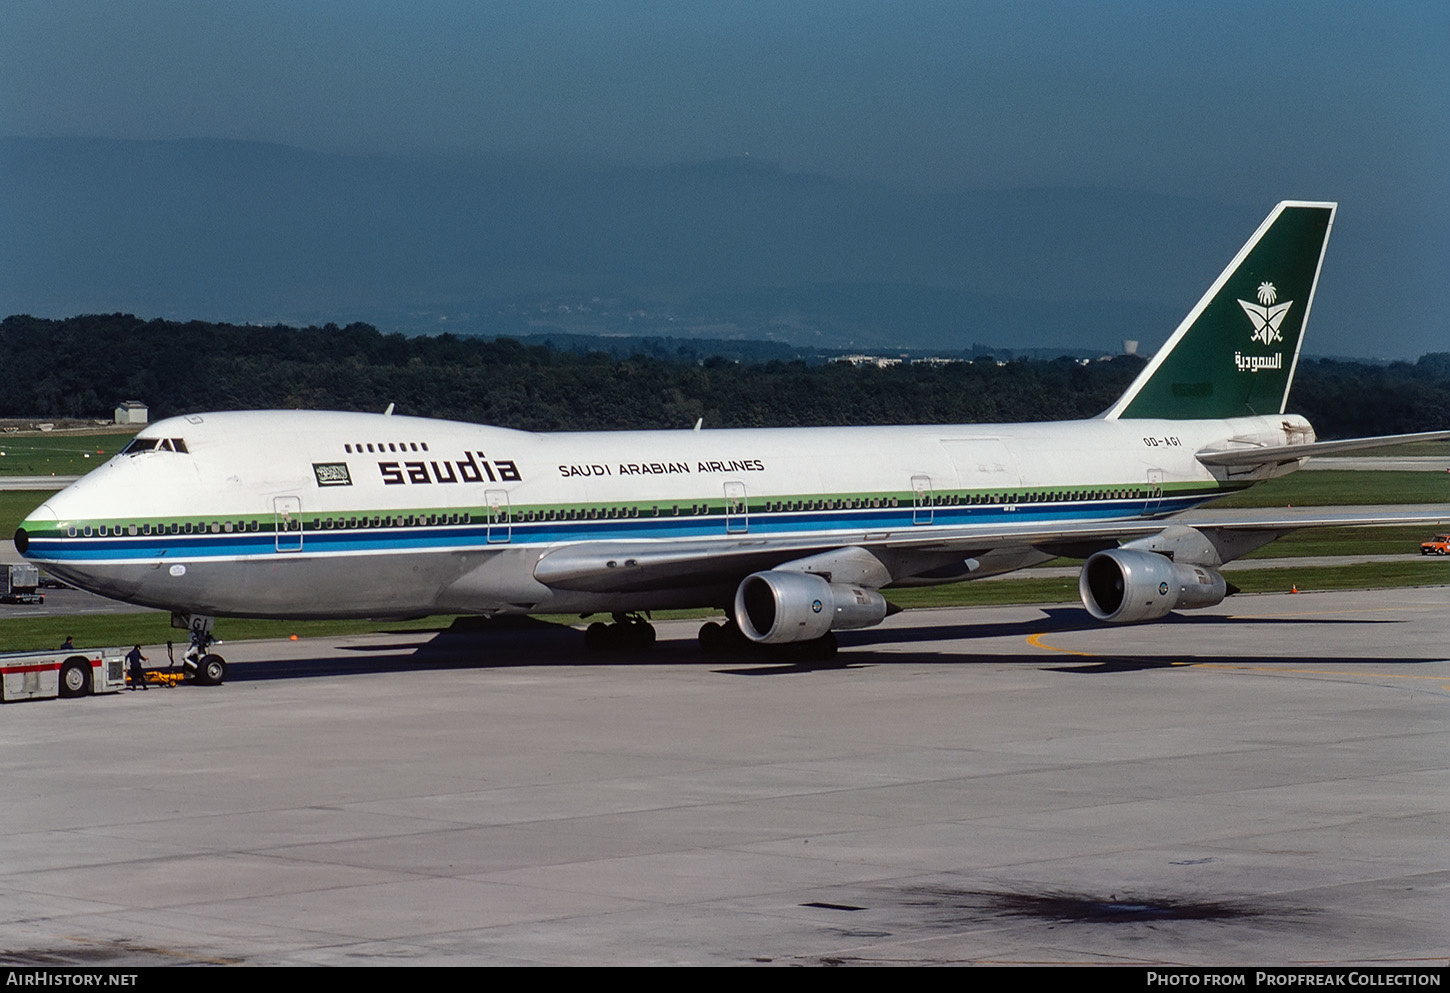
pixel 138 674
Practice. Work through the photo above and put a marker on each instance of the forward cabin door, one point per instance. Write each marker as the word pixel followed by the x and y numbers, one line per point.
pixel 500 521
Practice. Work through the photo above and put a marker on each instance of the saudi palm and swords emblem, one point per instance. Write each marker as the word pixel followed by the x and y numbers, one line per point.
pixel 1266 315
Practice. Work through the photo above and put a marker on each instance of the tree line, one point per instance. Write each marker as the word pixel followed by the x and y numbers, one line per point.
pixel 84 366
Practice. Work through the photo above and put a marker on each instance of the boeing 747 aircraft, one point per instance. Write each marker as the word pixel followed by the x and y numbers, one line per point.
pixel 794 533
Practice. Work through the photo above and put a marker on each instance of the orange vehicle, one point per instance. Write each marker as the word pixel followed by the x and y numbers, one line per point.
pixel 1438 545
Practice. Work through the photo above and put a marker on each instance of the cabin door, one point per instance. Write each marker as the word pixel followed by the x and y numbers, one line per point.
pixel 921 502
pixel 1155 492
pixel 737 511
pixel 500 521
pixel 287 523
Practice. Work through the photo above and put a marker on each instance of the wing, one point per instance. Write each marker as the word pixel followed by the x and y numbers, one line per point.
pixel 622 567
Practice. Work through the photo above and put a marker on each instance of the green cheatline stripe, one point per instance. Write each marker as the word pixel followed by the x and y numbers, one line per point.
pixel 797 503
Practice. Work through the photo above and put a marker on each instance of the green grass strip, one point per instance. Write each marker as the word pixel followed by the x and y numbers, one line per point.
pixel 59 454
pixel 1337 487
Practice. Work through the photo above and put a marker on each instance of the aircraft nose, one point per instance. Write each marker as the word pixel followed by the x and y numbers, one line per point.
pixel 41 518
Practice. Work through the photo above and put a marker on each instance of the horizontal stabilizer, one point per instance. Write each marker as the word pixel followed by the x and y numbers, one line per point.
pixel 1278 454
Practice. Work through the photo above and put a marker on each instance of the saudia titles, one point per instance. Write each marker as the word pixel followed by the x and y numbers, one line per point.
pixel 464 470
pixel 1267 318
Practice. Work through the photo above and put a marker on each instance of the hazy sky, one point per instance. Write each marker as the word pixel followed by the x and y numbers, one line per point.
pixel 1244 103
pixel 1249 102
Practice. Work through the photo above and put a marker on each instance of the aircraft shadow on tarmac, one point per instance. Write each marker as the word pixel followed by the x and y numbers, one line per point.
pixel 532 643
pixel 1068 619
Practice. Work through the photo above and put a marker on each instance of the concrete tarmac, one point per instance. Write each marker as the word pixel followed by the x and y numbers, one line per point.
pixel 1264 782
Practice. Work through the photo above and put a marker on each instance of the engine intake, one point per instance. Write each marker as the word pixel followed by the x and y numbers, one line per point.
pixel 777 607
pixel 1123 586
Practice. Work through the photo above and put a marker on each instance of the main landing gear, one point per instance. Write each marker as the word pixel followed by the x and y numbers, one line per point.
pixel 633 633
pixel 628 633
pixel 718 639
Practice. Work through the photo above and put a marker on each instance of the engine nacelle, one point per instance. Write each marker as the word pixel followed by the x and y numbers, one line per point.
pixel 776 607
pixel 1122 586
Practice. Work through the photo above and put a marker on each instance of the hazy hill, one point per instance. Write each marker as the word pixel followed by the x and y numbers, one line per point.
pixel 253 232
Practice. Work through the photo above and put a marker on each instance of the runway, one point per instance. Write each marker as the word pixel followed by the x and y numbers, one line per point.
pixel 1266 782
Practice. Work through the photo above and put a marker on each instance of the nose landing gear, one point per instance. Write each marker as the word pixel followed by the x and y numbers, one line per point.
pixel 205 667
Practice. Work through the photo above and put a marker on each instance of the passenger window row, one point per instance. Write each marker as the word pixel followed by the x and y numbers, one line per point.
pixel 386 446
pixel 388 521
pixel 184 527
pixel 504 515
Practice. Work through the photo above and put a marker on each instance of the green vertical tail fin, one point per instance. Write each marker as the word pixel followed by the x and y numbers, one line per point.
pixel 1234 354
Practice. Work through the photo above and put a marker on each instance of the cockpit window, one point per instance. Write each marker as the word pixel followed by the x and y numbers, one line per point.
pixel 139 445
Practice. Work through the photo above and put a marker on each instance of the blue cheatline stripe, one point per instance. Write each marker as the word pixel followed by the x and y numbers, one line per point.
pixel 898 520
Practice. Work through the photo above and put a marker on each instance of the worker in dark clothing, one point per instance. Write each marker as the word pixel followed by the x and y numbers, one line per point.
pixel 67 645
pixel 138 674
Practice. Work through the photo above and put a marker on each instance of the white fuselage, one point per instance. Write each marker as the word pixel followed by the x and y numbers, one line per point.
pixel 315 514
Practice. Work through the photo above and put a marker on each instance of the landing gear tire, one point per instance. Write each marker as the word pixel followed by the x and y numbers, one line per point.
pixel 820 649
pixel 641 636
pixel 75 678
pixel 211 670
pixel 711 638
pixel 627 634
pixel 723 639
pixel 596 637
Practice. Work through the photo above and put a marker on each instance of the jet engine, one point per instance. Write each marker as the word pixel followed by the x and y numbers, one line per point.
pixel 777 607
pixel 1122 586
